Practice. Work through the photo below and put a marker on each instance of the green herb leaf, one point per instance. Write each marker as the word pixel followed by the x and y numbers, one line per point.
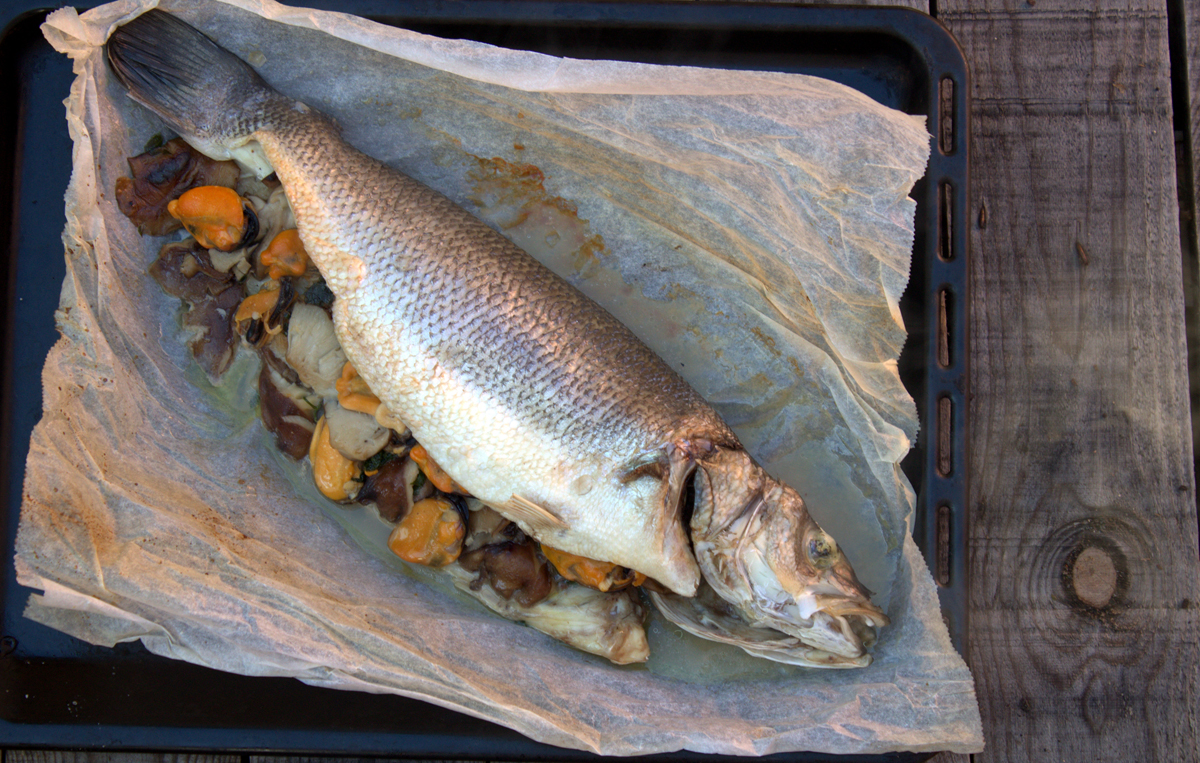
pixel 378 460
pixel 318 295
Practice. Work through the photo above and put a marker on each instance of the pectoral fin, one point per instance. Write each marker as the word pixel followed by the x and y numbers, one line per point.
pixel 522 510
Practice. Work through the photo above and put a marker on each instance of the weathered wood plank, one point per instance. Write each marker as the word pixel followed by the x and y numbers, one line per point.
pixel 1186 17
pixel 1080 437
pixel 62 756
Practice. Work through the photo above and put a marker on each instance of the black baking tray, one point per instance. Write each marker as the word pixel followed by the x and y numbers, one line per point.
pixel 58 692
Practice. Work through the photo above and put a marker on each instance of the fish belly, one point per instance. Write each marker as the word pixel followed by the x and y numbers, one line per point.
pixel 517 384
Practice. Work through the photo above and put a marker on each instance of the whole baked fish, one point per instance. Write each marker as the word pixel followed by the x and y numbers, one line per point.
pixel 530 395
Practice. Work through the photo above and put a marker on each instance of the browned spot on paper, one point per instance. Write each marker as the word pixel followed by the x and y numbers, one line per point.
pixel 767 340
pixel 514 196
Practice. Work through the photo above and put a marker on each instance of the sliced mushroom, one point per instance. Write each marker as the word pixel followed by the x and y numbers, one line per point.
pixel 284 418
pixel 284 377
pixel 356 436
pixel 256 189
pixel 313 349
pixel 214 339
pixel 390 488
pixel 515 570
pixel 486 527
pixel 234 262
pixel 184 270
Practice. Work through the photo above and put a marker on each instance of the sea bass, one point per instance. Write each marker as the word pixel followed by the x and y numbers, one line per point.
pixel 529 394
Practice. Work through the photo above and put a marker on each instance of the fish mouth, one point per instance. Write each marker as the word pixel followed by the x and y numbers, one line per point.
pixel 827 640
pixel 845 634
pixel 864 611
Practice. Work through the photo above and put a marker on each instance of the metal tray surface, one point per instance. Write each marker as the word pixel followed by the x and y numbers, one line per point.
pixel 59 692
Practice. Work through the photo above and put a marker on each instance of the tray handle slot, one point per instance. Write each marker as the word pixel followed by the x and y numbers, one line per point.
pixel 945 308
pixel 944 448
pixel 945 518
pixel 946 116
pixel 945 246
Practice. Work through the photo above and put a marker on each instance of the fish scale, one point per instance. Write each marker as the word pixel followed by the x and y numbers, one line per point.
pixel 529 394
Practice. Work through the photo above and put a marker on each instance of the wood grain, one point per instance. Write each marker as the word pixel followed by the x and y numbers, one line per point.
pixel 1080 436
pixel 1186 17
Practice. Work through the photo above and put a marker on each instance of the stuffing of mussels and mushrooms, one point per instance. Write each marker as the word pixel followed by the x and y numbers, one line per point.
pixel 248 285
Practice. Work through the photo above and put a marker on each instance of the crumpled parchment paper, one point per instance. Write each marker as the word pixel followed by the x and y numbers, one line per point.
pixel 753 228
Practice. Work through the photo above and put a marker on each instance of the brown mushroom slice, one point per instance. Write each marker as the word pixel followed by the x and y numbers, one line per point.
pixel 184 270
pixel 313 349
pixel 389 488
pixel 356 436
pixel 214 339
pixel 284 377
pixel 606 624
pixel 486 526
pixel 514 569
pixel 290 424
pixel 162 175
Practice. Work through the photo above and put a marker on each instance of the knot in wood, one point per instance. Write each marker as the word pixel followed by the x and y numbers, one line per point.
pixel 1095 573
pixel 1094 577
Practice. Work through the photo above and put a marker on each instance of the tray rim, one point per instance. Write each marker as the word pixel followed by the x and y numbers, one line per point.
pixel 932 44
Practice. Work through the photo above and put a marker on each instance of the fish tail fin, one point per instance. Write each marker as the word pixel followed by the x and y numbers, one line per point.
pixel 209 95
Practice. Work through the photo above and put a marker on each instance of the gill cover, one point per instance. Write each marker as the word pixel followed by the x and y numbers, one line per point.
pixel 783 589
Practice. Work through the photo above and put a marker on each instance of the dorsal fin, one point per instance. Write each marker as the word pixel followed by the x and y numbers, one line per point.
pixel 522 509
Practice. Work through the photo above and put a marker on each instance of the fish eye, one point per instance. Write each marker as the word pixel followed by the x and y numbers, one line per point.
pixel 820 550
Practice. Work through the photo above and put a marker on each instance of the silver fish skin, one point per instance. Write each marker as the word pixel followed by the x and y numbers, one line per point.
pixel 533 397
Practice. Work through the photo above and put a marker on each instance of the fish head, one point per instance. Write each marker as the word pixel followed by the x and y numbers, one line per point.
pixel 764 555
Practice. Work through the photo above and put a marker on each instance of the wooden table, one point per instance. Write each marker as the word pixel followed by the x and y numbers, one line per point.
pixel 1083 542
